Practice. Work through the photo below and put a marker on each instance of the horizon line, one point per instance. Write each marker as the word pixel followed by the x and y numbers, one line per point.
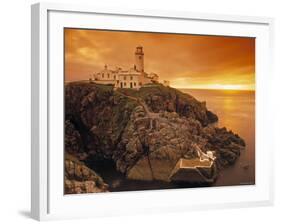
pixel 253 90
pixel 191 88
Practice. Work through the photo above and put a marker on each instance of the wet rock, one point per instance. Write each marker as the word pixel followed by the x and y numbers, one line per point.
pixel 79 187
pixel 81 179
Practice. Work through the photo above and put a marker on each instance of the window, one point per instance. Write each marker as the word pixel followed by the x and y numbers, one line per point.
pixel 124 83
pixel 117 81
pixel 107 75
pixel 131 77
pixel 124 77
pixel 140 83
pixel 102 75
pixel 114 77
pixel 135 84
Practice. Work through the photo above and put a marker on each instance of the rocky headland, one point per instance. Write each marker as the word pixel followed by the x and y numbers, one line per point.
pixel 145 133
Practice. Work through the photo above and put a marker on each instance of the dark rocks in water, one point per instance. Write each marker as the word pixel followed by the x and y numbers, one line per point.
pixel 212 118
pixel 226 144
pixel 144 132
pixel 81 179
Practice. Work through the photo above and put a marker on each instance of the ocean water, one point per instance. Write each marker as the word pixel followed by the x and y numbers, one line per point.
pixel 236 112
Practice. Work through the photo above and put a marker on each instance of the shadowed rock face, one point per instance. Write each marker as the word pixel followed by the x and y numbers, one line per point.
pixel 80 179
pixel 99 115
pixel 158 142
pixel 145 133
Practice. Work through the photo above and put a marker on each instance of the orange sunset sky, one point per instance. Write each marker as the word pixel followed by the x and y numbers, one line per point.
pixel 187 61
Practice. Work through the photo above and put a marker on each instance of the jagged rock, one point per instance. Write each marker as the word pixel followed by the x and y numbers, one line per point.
pixel 72 139
pixel 161 147
pixel 81 179
pixel 226 144
pixel 79 187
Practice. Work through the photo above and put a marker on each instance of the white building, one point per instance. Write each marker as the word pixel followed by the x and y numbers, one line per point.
pixel 133 78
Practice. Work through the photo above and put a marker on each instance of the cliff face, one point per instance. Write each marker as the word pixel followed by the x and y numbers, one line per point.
pixel 99 114
pixel 145 132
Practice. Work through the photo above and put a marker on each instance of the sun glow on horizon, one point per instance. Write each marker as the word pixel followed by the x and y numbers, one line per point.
pixel 217 87
pixel 187 61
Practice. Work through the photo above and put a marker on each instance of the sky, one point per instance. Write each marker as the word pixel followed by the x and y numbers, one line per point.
pixel 187 61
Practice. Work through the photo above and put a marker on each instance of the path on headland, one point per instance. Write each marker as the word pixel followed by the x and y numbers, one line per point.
pixel 152 115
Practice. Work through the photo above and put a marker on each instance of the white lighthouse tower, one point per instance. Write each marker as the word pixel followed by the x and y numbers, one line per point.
pixel 132 78
pixel 139 56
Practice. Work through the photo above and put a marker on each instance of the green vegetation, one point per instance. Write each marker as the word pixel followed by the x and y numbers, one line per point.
pixel 121 112
pixel 86 83
pixel 154 90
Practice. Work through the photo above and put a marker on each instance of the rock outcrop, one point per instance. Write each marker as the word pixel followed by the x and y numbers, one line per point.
pixel 80 179
pixel 161 98
pixel 145 132
pixel 154 144
pixel 99 114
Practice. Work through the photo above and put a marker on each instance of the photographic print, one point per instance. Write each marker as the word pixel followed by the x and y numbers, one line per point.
pixel 151 111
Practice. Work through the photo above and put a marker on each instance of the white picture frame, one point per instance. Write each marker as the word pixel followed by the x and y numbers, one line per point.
pixel 48 201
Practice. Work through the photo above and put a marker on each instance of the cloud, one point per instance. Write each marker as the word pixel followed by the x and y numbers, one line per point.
pixel 187 60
